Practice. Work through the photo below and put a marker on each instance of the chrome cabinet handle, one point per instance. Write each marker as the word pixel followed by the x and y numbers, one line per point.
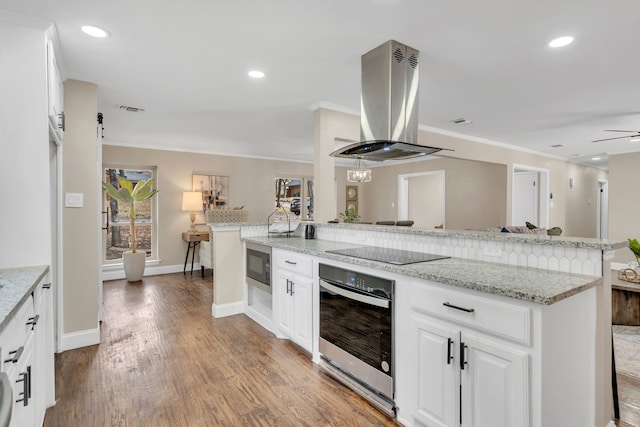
pixel 24 379
pixel 449 352
pixel 46 286
pixel 16 355
pixel 33 321
pixel 466 310
pixel 290 262
pixel 463 361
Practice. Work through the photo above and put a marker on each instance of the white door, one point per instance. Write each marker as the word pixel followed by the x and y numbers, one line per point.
pixel 435 397
pixel 302 318
pixel 602 231
pixel 525 198
pixel 284 302
pixel 494 384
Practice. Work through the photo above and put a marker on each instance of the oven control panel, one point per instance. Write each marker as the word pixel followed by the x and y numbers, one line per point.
pixel 356 280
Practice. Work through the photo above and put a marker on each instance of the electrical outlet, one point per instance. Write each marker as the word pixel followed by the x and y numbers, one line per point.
pixel 74 200
pixel 492 251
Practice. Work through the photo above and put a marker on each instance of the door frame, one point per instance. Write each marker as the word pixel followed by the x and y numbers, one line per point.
pixel 56 193
pixel 543 191
pixel 403 193
pixel 603 186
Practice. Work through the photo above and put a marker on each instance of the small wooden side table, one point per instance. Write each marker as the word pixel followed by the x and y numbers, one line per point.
pixel 193 239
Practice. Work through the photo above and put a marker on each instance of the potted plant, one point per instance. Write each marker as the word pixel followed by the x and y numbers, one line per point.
pixel 129 195
pixel 634 246
pixel 349 215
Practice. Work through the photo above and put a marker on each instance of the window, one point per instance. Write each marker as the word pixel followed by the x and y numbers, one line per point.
pixel 117 238
pixel 290 192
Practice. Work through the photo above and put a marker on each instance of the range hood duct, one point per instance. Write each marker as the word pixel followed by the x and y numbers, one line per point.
pixel 389 106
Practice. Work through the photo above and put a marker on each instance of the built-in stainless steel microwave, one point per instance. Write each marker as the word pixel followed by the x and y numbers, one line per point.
pixel 259 266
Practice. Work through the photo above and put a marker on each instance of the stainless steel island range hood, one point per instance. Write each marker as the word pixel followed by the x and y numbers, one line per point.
pixel 389 106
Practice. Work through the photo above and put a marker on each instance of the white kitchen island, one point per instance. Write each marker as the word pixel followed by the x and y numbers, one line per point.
pixel 537 345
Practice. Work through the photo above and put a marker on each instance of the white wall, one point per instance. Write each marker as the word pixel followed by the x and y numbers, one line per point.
pixel 25 228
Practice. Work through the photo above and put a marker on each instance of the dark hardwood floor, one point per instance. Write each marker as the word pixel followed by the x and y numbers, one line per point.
pixel 629 395
pixel 165 361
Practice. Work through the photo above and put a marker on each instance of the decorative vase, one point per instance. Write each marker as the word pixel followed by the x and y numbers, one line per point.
pixel 134 265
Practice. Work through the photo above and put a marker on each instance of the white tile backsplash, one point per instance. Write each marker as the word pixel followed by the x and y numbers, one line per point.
pixel 543 256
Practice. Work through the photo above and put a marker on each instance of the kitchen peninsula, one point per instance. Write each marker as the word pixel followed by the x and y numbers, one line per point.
pixel 534 349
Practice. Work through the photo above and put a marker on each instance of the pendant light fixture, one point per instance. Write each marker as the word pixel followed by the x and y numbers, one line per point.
pixel 359 173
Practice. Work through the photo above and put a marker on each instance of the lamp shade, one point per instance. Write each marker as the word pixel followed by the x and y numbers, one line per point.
pixel 192 201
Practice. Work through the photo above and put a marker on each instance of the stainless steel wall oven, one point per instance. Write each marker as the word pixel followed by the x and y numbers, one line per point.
pixel 356 333
pixel 258 270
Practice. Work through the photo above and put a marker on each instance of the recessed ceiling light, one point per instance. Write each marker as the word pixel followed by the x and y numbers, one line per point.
pixel 94 31
pixel 595 158
pixel 256 74
pixel 561 41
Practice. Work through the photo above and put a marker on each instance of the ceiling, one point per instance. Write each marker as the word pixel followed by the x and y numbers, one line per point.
pixel 185 63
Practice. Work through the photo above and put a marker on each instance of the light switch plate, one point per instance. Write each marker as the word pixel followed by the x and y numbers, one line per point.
pixel 492 250
pixel 73 200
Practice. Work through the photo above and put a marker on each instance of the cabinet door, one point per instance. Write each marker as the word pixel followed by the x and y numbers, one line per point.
pixel 302 307
pixel 43 368
pixel 494 384
pixel 56 90
pixel 283 302
pixel 23 389
pixel 435 372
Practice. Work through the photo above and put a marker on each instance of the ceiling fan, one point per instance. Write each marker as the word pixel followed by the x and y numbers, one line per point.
pixel 636 133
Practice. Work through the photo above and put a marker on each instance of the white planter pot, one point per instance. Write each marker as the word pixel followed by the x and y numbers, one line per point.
pixel 133 265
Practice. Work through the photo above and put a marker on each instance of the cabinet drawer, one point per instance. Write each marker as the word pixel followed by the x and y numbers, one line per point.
pixel 294 262
pixel 17 334
pixel 496 317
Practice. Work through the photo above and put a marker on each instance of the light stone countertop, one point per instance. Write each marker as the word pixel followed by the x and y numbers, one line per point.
pixel 16 284
pixel 534 239
pixel 527 284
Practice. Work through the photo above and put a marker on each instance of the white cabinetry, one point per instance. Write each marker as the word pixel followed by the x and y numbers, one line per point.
pixel 55 91
pixel 27 357
pixel 472 359
pixel 292 297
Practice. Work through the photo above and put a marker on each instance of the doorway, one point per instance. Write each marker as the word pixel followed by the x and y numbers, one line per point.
pixel 602 221
pixel 421 198
pixel 529 202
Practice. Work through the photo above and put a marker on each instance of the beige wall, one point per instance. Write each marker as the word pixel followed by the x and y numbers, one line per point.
pixel 251 184
pixel 475 192
pixel 573 210
pixel 426 199
pixel 80 225
pixel 624 205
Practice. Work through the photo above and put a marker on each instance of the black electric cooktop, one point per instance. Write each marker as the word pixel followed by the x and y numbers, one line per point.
pixel 390 256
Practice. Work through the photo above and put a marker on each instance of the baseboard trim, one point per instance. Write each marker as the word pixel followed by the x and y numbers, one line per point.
pixel 229 309
pixel 79 339
pixel 151 271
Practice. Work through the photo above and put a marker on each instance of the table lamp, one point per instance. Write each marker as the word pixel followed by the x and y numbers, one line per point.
pixel 192 202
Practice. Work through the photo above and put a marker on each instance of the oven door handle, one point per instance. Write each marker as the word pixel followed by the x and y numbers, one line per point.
pixel 378 302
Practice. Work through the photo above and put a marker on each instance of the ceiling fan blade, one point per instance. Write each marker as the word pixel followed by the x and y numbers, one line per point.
pixel 619 137
pixel 617 130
